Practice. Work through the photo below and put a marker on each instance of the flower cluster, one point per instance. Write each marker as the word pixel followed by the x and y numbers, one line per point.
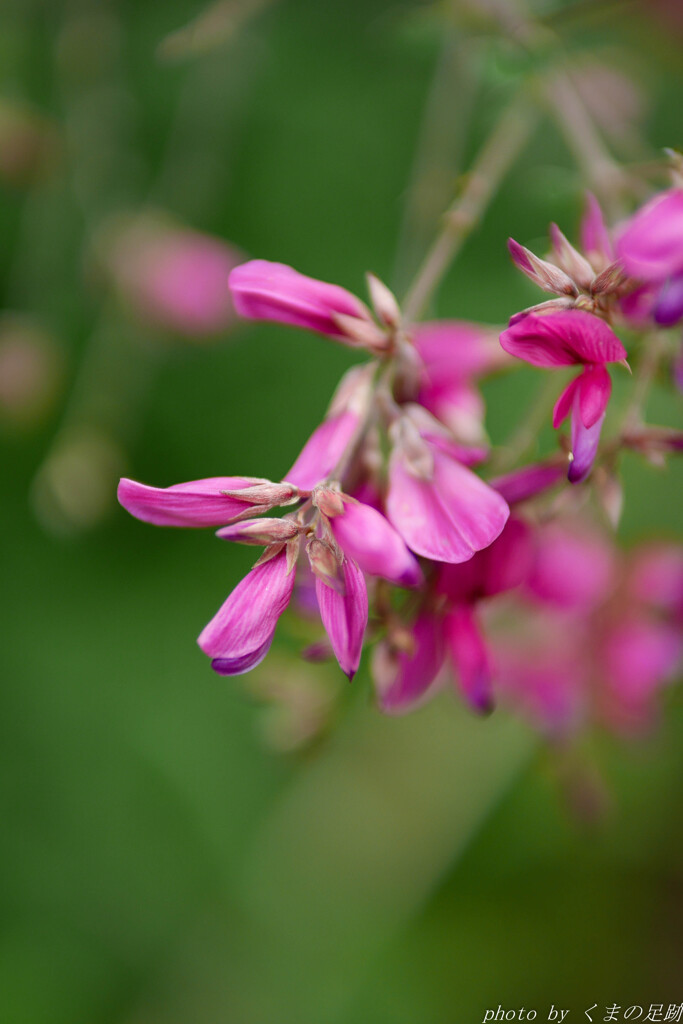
pixel 384 508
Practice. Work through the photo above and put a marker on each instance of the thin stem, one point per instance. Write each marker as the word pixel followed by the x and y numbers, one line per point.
pixel 527 431
pixel 493 162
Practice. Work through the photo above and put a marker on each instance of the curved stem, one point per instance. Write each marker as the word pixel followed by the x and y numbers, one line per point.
pixel 493 162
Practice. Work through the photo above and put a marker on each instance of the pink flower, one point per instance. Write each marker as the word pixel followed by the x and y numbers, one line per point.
pixel 442 510
pixel 650 248
pixel 572 567
pixel 172 277
pixel 406 665
pixel 262 290
pixel 565 338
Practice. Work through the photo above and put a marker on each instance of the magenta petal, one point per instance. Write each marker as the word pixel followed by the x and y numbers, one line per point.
pixel 323 450
pixel 197 503
pixel 345 616
pixel 477 511
pixel 594 387
pixel 561 338
pixel 370 540
pixel 470 658
pixel 262 290
pixel 573 568
pixel 525 483
pixel 669 306
pixel 651 244
pixel 502 566
pixel 403 679
pixel 563 405
pixel 239 635
pixel 585 442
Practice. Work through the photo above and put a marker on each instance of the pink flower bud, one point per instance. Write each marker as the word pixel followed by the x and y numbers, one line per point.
pixel 260 532
pixel 470 658
pixel 328 501
pixel 570 260
pixel 383 302
pixel 404 677
pixel 325 563
pixel 546 275
pixel 344 612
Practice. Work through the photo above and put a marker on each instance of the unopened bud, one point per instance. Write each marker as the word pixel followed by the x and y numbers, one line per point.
pixel 267 494
pixel 261 532
pixel 383 301
pixel 361 332
pixel 329 502
pixel 609 280
pixel 546 275
pixel 570 259
pixel 325 563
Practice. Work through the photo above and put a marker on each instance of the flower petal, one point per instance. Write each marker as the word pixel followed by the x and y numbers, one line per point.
pixel 595 238
pixel 561 338
pixel 240 634
pixel 402 679
pixel 323 450
pixel 262 290
pixel 196 503
pixel 651 244
pixel 594 388
pixel 470 658
pixel 345 616
pixel 525 483
pixel 585 442
pixel 669 306
pixel 563 405
pixel 455 350
pixel 370 540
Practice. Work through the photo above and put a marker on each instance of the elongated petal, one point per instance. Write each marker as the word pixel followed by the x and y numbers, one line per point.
pixel 196 503
pixel 594 389
pixel 476 510
pixel 651 244
pixel 470 658
pixel 370 540
pixel 585 442
pixel 502 566
pixel 563 405
pixel 240 634
pixel 403 678
pixel 323 450
pixel 262 290
pixel 459 406
pixel 561 338
pixel 525 483
pixel 345 616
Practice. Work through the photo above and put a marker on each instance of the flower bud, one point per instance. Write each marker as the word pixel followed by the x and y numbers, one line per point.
pixel 546 275
pixel 330 502
pixel 267 494
pixel 383 301
pixel 261 532
pixel 570 259
pixel 325 563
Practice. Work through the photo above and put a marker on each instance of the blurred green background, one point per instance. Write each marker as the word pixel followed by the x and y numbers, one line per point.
pixel 160 863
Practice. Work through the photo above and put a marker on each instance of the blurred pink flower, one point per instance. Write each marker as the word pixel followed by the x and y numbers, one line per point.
pixel 650 247
pixel 171 276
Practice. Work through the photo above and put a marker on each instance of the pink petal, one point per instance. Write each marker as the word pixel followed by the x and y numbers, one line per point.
pixel 525 483
pixel 370 540
pixel 595 238
pixel 561 338
pixel 595 387
pixel 262 290
pixel 573 567
pixel 651 244
pixel 563 406
pixel 639 657
pixel 656 578
pixel 470 658
pixel 459 406
pixel 240 634
pixel 502 566
pixel 345 616
pixel 197 503
pixel 403 679
pixel 323 450
pixel 447 518
pixel 455 350
pixel 585 444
